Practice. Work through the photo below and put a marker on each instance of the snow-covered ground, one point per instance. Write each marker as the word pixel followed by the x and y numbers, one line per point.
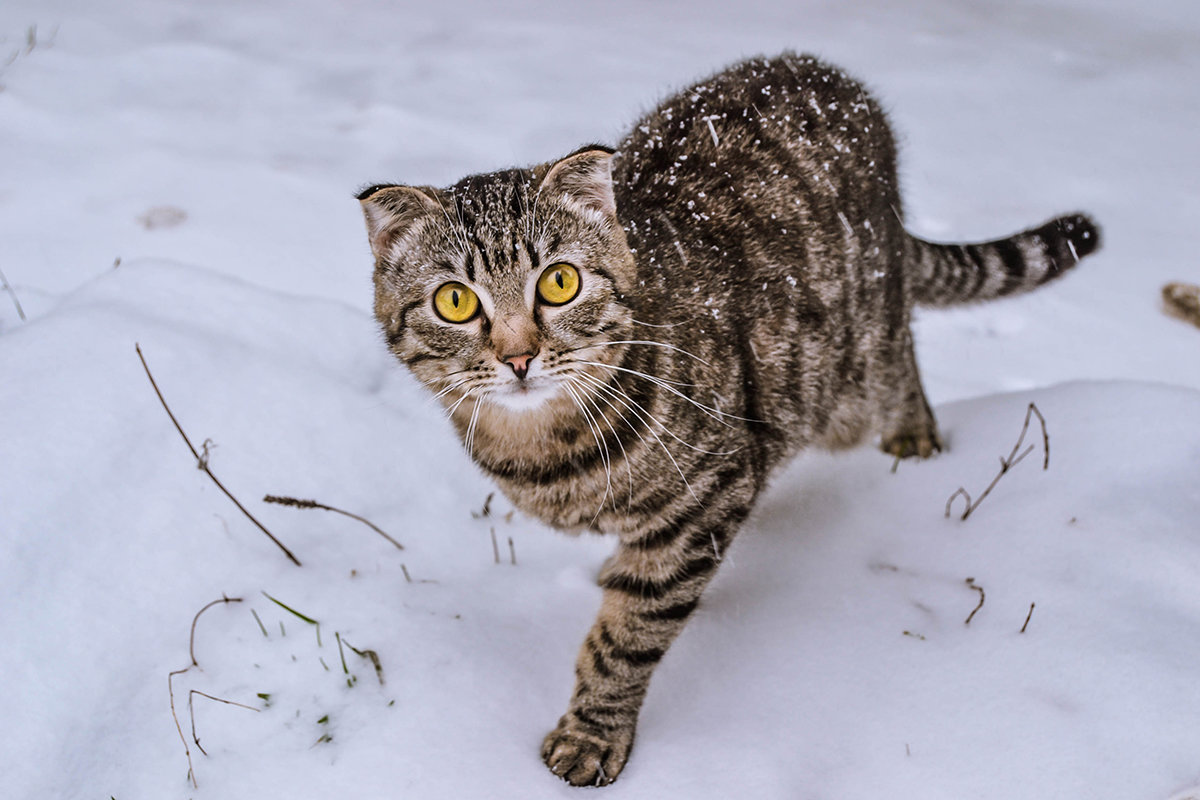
pixel 181 176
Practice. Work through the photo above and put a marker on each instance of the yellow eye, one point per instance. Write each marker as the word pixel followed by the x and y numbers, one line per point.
pixel 558 284
pixel 454 302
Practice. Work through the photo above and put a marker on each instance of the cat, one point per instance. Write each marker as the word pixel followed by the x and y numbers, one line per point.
pixel 629 340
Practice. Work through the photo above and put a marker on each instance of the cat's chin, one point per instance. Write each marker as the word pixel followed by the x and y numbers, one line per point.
pixel 523 397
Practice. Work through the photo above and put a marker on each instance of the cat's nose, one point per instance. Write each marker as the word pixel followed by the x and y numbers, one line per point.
pixel 520 364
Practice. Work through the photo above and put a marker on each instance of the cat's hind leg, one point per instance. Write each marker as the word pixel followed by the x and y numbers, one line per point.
pixel 909 428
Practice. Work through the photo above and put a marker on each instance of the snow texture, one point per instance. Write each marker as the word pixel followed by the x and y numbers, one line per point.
pixel 181 174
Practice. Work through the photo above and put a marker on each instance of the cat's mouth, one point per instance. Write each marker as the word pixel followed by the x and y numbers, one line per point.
pixel 524 395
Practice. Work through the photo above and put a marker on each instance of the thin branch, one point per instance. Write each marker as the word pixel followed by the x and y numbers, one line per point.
pixel 12 293
pixel 202 461
pixel 978 588
pixel 295 503
pixel 1006 464
pixel 512 552
pixel 495 547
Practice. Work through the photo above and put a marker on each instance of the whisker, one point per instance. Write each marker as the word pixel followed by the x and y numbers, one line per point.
pixel 668 325
pixel 468 393
pixel 626 400
pixel 656 344
pixel 470 440
pixel 635 372
pixel 591 399
pixel 715 413
pixel 601 448
pixel 450 388
pixel 661 444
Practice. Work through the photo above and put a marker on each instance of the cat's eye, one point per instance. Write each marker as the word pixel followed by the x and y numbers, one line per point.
pixel 454 302
pixel 558 284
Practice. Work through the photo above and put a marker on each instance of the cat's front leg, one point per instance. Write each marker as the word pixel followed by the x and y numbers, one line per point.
pixel 651 586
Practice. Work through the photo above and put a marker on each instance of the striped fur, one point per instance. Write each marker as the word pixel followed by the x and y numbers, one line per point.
pixel 746 291
pixel 950 274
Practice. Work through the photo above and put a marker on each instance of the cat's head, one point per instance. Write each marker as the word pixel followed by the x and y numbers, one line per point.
pixel 504 286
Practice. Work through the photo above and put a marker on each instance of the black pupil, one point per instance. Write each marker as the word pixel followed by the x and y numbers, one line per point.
pixel 558 278
pixel 454 297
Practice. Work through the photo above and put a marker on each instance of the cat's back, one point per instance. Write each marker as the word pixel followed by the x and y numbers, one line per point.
pixel 761 121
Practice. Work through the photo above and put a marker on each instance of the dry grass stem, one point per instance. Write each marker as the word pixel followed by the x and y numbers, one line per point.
pixel 262 627
pixel 192 713
pixel 202 461
pixel 371 656
pixel 341 653
pixel 486 511
pixel 1016 456
pixel 195 619
pixel 295 503
pixel 13 294
pixel 187 751
pixel 171 687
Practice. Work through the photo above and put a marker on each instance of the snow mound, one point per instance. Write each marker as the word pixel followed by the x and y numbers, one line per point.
pixel 831 657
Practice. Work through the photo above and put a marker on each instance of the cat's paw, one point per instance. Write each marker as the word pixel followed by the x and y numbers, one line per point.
pixel 584 759
pixel 922 443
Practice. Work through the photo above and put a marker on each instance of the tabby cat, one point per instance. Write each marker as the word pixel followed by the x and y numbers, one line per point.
pixel 629 341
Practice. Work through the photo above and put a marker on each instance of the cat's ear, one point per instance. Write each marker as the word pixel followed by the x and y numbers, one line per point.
pixel 584 178
pixel 391 211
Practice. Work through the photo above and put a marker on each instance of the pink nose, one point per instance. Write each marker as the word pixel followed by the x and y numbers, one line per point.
pixel 520 364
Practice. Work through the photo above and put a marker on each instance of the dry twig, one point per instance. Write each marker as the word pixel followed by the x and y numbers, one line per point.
pixel 1028 617
pixel 978 588
pixel 202 461
pixel 1007 463
pixel 295 503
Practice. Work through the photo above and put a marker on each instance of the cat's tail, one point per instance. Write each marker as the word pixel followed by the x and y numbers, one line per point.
pixel 951 274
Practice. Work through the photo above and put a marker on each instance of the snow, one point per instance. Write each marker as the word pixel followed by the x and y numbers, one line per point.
pixel 211 151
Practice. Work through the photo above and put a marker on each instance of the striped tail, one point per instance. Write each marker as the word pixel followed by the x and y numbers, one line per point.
pixel 950 274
